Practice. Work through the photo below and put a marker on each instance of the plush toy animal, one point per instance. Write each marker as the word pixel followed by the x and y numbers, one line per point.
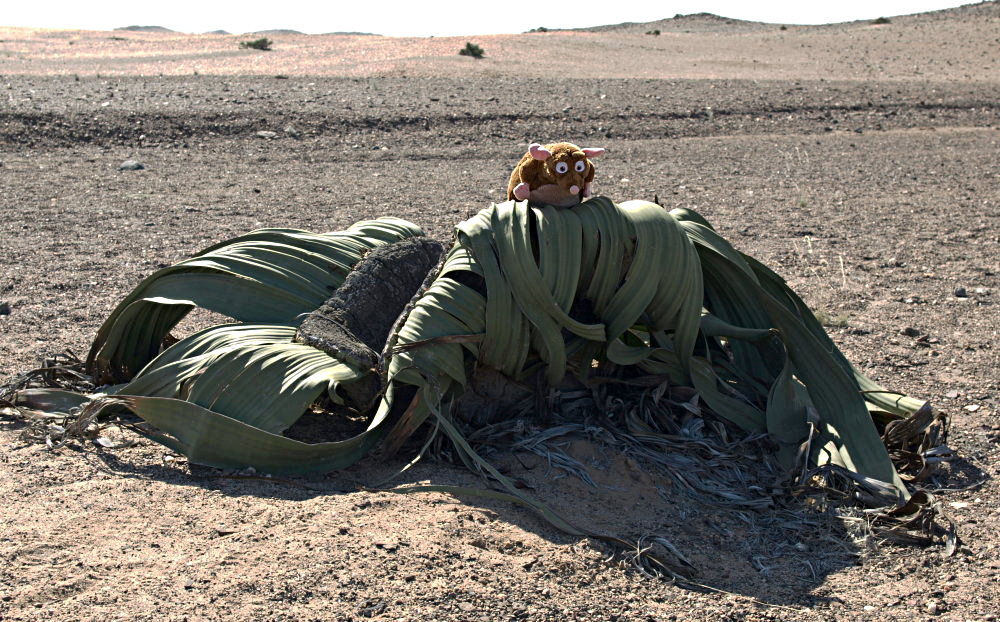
pixel 558 174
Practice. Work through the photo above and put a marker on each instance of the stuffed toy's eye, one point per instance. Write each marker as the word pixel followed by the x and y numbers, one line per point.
pixel 581 166
pixel 562 167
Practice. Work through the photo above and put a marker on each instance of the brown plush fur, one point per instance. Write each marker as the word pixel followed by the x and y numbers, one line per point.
pixel 541 175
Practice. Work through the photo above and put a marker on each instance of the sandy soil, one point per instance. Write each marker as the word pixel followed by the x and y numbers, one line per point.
pixel 859 161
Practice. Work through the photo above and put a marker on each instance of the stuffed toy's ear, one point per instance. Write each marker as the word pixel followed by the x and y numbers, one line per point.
pixel 539 152
pixel 593 152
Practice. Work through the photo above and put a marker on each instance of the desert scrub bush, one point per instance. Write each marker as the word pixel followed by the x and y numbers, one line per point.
pixel 881 20
pixel 653 32
pixel 831 320
pixel 263 44
pixel 471 49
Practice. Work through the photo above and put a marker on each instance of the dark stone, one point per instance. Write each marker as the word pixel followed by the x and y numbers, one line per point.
pixel 131 165
pixel 355 322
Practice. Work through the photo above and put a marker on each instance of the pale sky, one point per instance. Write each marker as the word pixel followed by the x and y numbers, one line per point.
pixel 417 18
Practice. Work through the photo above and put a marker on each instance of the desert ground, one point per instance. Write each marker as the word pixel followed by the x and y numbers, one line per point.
pixel 858 160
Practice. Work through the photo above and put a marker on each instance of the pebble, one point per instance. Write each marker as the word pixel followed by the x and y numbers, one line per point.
pixel 373 610
pixel 4 308
pixel 267 134
pixel 960 292
pixel 131 165
pixel 909 331
pixel 932 607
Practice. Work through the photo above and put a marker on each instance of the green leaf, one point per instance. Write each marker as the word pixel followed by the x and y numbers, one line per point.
pixel 254 374
pixel 213 439
pixel 269 276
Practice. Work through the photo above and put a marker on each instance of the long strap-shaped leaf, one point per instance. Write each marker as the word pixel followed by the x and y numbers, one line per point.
pixel 831 388
pixel 513 233
pixel 213 439
pixel 252 373
pixel 506 343
pixel 271 276
pixel 890 401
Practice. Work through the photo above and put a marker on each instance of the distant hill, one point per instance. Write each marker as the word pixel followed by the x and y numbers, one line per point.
pixel 218 32
pixel 695 22
pixel 276 31
pixel 708 22
pixel 978 12
pixel 145 29
pixel 279 32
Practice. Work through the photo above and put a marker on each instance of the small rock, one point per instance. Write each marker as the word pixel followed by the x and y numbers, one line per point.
pixel 932 607
pixel 981 291
pixel 291 131
pixel 909 331
pixel 869 608
pixel 972 408
pixel 960 292
pixel 131 165
pixel 4 308
pixel 951 394
pixel 267 134
pixel 373 610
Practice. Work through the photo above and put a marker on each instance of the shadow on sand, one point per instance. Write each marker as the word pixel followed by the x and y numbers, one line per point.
pixel 754 542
